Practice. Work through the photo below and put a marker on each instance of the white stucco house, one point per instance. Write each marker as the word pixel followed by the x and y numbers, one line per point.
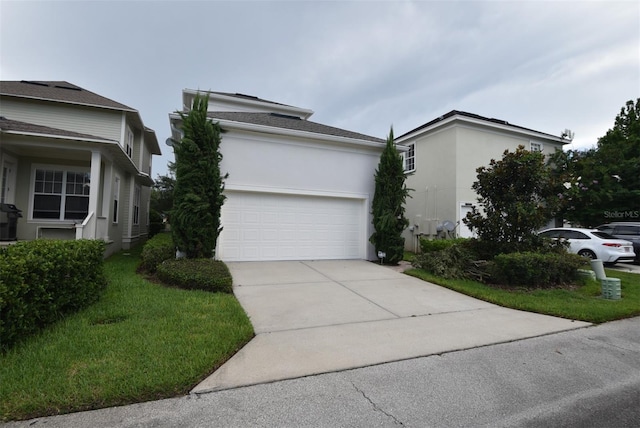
pixel 297 189
pixel 76 163
pixel 441 164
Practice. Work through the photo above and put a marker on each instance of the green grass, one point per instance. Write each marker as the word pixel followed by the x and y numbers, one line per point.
pixel 409 256
pixel 583 303
pixel 140 342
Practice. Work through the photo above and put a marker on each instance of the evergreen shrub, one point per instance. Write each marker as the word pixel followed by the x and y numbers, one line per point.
pixel 535 270
pixel 42 281
pixel 199 274
pixel 155 251
pixel 430 245
pixel 198 194
pixel 389 197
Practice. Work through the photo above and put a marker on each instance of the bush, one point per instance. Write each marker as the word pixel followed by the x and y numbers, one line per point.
pixel 535 270
pixel 201 274
pixel 454 261
pixel 42 281
pixel 155 251
pixel 483 250
pixel 431 245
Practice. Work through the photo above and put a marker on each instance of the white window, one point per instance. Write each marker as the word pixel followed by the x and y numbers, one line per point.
pixel 410 158
pixel 128 144
pixel 136 205
pixel 60 194
pixel 535 147
pixel 116 199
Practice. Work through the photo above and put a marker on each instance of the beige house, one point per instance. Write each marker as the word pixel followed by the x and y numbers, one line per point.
pixel 77 164
pixel 441 164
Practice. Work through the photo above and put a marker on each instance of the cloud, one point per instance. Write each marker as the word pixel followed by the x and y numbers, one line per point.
pixel 361 65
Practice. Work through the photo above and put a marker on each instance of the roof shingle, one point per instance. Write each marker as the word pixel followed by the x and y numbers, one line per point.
pixel 283 121
pixel 472 116
pixel 58 91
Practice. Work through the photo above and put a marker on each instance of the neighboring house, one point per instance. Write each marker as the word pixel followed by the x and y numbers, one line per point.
pixel 297 190
pixel 77 164
pixel 441 164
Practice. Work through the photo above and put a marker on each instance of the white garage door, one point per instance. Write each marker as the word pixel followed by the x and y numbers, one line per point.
pixel 264 226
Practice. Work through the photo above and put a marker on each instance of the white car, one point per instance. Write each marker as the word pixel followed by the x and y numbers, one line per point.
pixel 593 244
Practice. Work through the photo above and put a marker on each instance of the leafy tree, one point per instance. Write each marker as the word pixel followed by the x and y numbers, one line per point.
pixel 388 204
pixel 514 195
pixel 162 192
pixel 602 184
pixel 198 194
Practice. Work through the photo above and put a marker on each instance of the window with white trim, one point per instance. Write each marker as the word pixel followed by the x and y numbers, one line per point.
pixel 116 199
pixel 136 205
pixel 535 147
pixel 128 144
pixel 409 158
pixel 60 194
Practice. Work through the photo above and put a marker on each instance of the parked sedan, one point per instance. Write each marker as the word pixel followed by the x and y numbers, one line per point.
pixel 629 231
pixel 593 244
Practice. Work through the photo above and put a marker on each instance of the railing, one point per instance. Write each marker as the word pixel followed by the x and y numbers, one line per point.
pixel 84 232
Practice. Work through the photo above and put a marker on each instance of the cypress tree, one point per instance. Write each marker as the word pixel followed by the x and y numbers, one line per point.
pixel 198 194
pixel 388 204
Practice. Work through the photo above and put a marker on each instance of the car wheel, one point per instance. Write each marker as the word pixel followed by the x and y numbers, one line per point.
pixel 587 254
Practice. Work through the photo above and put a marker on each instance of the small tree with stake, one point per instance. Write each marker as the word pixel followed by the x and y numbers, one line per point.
pixel 388 204
pixel 198 194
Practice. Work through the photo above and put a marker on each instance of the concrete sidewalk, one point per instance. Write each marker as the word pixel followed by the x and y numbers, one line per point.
pixel 314 317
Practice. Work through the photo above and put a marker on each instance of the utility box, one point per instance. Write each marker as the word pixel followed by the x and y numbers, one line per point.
pixel 611 288
pixel 9 215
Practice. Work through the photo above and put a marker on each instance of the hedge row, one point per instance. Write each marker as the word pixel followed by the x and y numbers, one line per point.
pixel 202 274
pixel 43 280
pixel 432 245
pixel 471 259
pixel 535 269
pixel 155 251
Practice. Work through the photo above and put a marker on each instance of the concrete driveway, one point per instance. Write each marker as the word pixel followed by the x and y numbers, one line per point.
pixel 313 317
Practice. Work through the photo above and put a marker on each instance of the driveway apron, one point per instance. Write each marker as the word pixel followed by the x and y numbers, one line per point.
pixel 313 317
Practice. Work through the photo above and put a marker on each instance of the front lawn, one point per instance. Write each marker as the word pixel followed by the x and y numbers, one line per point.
pixel 582 303
pixel 140 342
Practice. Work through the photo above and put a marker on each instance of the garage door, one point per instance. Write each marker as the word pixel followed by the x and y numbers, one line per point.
pixel 261 226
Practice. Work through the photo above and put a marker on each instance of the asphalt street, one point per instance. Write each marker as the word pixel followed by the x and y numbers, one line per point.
pixel 588 377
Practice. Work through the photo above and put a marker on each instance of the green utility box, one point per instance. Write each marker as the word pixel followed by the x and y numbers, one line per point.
pixel 611 288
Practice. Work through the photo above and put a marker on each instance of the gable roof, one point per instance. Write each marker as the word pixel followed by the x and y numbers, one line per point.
pixel 282 121
pixel 491 121
pixel 65 92
pixel 59 91
pixel 15 126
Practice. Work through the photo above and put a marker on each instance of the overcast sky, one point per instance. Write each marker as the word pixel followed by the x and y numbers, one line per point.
pixel 360 65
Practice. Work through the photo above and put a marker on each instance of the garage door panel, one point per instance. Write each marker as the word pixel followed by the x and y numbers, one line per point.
pixel 290 227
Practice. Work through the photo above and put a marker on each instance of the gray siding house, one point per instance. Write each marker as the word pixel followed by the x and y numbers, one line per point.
pixel 77 164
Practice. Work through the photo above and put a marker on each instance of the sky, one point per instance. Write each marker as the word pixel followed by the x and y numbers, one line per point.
pixel 364 66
